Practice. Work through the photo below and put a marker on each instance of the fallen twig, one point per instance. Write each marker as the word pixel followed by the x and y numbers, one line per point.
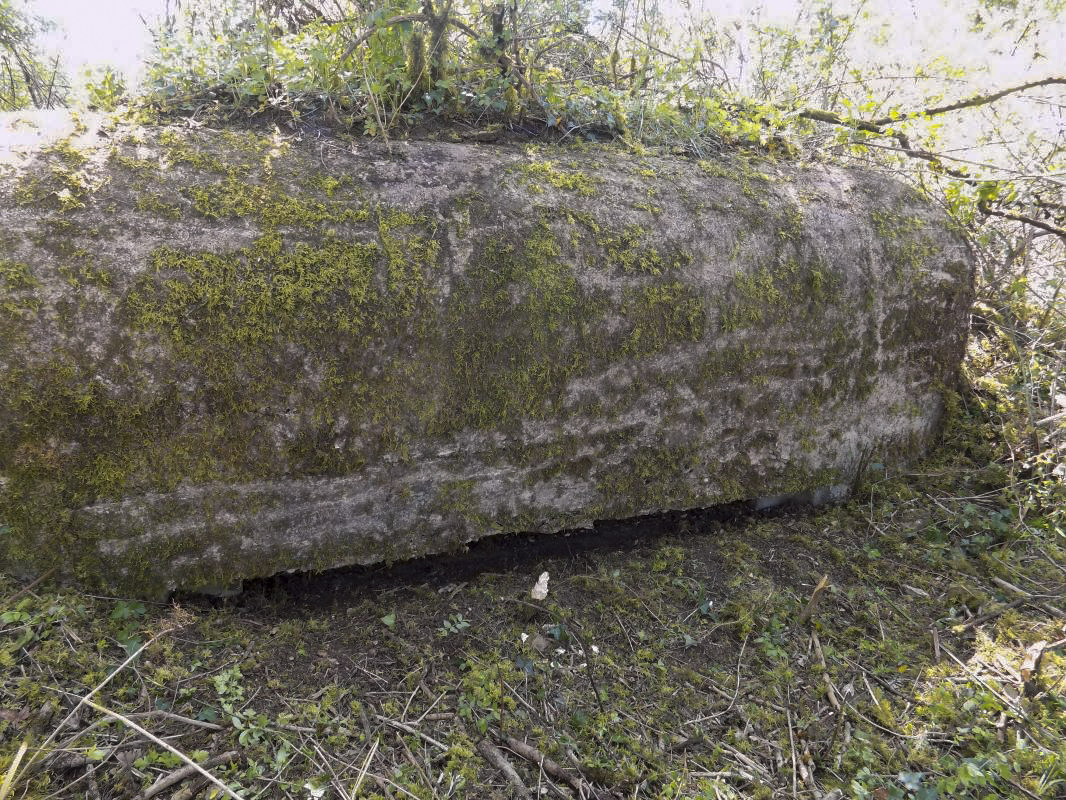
pixel 365 767
pixel 159 742
pixel 830 690
pixel 791 739
pixel 9 778
pixel 403 726
pixel 190 791
pixel 533 755
pixel 412 760
pixel 551 768
pixel 196 723
pixel 184 773
pixel 494 756
pixel 35 762
pixel 1007 702
pixel 758 769
pixel 28 587
pixel 812 604
pixel 1030 668
pixel 983 618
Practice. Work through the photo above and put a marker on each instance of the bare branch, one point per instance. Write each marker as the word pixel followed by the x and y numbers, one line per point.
pixel 1036 223
pixel 877 128
pixel 970 102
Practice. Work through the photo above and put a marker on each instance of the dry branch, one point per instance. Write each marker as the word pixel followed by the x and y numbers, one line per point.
pixel 28 587
pixel 494 756
pixel 878 127
pixel 970 102
pixel 185 773
pixel 160 743
pixel 409 729
pixel 551 768
pixel 812 604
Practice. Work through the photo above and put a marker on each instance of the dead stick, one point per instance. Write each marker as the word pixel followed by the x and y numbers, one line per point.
pixel 1030 668
pixel 178 718
pixel 129 723
pixel 791 740
pixel 982 618
pixel 411 760
pixel 492 754
pixel 27 587
pixel 830 691
pixel 534 756
pixel 35 762
pixel 812 604
pixel 366 765
pixel 182 774
pixel 408 729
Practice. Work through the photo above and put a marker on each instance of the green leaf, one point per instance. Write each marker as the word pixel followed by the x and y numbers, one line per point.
pixel 389 619
pixel 128 610
pixel 988 191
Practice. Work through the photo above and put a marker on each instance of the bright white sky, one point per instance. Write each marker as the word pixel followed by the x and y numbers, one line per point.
pixel 111 31
pixel 98 31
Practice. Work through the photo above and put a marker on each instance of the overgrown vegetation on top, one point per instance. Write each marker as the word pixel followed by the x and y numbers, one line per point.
pixel 834 84
pixel 831 84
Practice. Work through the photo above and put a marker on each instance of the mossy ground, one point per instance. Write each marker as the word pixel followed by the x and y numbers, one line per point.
pixel 669 659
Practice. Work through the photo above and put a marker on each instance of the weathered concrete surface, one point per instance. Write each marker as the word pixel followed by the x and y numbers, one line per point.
pixel 225 354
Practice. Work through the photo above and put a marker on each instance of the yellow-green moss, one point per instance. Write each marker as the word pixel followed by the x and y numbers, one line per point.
pixel 85 274
pixel 572 179
pixel 328 184
pixel 904 245
pixel 626 248
pixel 244 151
pixel 512 319
pixel 18 287
pixel 59 181
pixel 753 184
pixel 16 277
pixel 247 300
pixel 273 207
pixel 770 295
pixel 143 167
pixel 153 203
pixel 663 314
pixel 655 478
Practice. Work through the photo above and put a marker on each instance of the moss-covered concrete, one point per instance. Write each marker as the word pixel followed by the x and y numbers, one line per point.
pixel 227 354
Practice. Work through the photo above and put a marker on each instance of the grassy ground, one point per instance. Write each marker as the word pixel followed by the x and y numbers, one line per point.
pixel 908 644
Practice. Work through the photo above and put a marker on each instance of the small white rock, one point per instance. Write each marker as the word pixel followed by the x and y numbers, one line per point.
pixel 540 590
